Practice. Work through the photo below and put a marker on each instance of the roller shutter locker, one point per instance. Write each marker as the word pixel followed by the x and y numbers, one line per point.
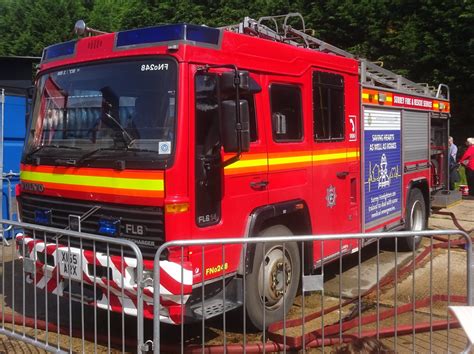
pixel 415 136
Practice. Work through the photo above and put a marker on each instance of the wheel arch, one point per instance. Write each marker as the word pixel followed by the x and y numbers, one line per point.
pixel 294 214
pixel 423 186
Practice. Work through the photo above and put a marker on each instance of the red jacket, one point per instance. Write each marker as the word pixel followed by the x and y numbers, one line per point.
pixel 469 156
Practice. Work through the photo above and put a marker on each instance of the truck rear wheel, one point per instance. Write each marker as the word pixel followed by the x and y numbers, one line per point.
pixel 415 220
pixel 273 282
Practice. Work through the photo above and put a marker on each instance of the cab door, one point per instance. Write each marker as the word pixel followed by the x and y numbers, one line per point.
pixel 335 160
pixel 246 181
pixel 289 139
pixel 224 194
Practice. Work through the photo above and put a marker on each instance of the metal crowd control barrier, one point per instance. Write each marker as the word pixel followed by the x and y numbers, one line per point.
pixel 49 277
pixel 404 308
pixel 2 125
pixel 11 205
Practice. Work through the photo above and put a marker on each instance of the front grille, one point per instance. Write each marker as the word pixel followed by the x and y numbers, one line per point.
pixel 132 218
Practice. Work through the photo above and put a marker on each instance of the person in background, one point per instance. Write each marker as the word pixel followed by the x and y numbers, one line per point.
pixel 454 176
pixel 468 161
pixel 453 149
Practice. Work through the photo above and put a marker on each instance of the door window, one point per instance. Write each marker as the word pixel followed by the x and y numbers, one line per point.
pixel 287 122
pixel 328 106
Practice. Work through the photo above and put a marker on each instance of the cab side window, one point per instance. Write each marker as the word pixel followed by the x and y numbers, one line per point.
pixel 328 106
pixel 208 179
pixel 253 120
pixel 287 122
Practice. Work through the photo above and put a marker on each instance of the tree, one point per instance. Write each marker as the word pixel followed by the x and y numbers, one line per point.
pixel 29 26
pixel 428 41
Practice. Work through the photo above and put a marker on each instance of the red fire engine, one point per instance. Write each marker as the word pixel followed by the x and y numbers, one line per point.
pixel 190 132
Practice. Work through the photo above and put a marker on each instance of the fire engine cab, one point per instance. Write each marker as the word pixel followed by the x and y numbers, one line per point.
pixel 190 132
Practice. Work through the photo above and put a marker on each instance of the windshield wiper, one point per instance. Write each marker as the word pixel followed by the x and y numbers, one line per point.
pixel 92 152
pixel 127 139
pixel 89 154
pixel 31 153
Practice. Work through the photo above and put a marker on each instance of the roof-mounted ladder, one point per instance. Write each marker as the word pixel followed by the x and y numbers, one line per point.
pixel 371 74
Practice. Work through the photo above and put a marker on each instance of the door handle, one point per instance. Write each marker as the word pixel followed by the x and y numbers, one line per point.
pixel 342 174
pixel 258 185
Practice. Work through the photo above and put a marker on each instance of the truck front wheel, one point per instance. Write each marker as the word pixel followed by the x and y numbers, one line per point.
pixel 272 284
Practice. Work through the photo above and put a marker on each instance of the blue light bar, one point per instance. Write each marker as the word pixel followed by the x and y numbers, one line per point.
pixel 65 49
pixel 202 34
pixel 168 33
pixel 43 216
pixel 109 227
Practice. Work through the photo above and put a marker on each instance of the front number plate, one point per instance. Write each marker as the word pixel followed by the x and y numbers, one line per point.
pixel 69 263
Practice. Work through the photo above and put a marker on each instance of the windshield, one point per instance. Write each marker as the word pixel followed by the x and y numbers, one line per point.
pixel 123 106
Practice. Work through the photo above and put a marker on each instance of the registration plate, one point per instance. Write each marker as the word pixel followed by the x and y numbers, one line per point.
pixel 69 263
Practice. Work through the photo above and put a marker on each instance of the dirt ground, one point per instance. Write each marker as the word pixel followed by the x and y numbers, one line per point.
pixel 440 272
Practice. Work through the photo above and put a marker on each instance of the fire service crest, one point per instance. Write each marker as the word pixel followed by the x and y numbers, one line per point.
pixel 331 196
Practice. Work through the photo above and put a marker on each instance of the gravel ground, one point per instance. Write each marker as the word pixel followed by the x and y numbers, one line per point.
pixel 427 273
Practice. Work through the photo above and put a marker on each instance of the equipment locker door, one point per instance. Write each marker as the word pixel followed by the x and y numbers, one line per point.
pixel 382 168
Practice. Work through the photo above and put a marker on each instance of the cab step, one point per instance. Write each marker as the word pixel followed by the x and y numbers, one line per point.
pixel 217 304
pixel 445 198
pixel 215 307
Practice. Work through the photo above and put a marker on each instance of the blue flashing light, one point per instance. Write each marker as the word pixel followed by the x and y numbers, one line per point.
pixel 109 227
pixel 168 33
pixel 43 216
pixel 59 50
pixel 150 35
pixel 203 34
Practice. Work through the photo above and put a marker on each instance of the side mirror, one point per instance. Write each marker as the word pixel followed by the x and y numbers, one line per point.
pixel 230 132
pixel 247 84
pixel 228 84
pixel 30 91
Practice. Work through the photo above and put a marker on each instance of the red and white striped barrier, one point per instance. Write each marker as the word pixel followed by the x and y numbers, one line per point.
pixel 118 291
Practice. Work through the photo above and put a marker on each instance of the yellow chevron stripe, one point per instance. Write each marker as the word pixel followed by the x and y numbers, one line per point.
pixel 353 154
pixel 326 157
pixel 94 181
pixel 272 161
pixel 247 163
pixel 288 160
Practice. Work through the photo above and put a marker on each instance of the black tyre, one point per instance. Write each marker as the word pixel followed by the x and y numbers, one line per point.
pixel 273 282
pixel 415 220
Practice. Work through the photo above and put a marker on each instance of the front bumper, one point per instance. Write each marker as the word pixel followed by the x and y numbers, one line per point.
pixel 105 281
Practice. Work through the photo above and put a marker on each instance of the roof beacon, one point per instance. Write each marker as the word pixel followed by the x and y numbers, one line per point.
pixel 81 29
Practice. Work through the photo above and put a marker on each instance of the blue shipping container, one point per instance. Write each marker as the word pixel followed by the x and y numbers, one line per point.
pixel 13 139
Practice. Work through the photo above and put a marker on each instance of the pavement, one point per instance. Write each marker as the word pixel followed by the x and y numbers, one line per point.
pixel 387 260
pixel 350 280
pixel 464 211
